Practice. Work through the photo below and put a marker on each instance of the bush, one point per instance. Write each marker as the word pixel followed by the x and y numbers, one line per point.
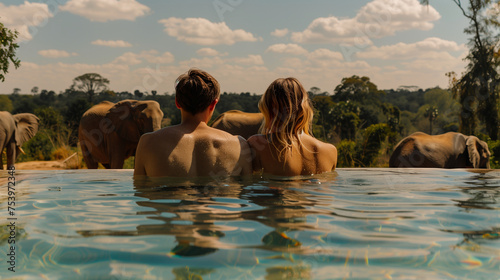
pixel 37 148
pixel 346 151
pixel 494 147
pixel 373 138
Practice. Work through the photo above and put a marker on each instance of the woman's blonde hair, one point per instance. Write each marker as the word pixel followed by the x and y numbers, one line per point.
pixel 287 113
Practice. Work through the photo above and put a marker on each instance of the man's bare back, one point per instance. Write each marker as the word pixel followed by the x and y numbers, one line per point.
pixel 312 157
pixel 192 150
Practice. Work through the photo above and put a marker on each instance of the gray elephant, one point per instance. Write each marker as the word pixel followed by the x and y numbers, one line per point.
pixel 239 123
pixel 449 150
pixel 14 131
pixel 109 132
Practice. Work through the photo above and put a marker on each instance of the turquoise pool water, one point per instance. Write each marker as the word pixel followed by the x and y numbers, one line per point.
pixel 349 224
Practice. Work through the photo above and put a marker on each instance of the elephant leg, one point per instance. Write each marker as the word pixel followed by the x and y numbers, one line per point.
pixel 87 157
pixel 106 165
pixel 1 159
pixel 117 151
pixel 117 163
pixel 11 154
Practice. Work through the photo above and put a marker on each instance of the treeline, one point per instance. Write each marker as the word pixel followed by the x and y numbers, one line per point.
pixel 365 123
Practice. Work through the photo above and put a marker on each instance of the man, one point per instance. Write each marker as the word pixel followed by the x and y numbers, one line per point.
pixel 192 148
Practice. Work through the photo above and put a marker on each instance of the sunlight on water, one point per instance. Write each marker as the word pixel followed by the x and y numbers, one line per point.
pixel 352 223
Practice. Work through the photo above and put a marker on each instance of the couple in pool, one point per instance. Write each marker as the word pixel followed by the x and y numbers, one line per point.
pixel 192 148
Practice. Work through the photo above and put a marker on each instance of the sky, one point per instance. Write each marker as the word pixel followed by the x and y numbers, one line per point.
pixel 245 44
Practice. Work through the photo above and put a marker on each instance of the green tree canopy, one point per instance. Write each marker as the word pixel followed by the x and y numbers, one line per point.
pixel 8 48
pixel 90 83
pixel 359 89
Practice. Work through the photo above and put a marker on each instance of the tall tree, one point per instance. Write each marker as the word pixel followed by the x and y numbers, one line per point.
pixel 8 48
pixel 90 83
pixel 478 88
pixel 431 113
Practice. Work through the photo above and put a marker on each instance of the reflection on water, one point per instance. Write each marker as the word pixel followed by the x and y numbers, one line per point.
pixel 353 223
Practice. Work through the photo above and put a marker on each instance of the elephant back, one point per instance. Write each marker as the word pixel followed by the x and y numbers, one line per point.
pixel 239 123
pixel 95 114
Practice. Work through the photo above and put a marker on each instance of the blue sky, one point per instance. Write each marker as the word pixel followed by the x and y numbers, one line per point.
pixel 245 44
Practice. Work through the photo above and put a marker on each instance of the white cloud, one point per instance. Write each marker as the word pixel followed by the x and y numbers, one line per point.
pixel 106 10
pixel 280 32
pixel 287 48
pixel 204 32
pixel 112 44
pixel 409 51
pixel 55 53
pixel 209 52
pixel 164 58
pixel 325 54
pixel 25 18
pixel 321 55
pixel 377 19
pixel 130 58
pixel 251 59
pixel 427 62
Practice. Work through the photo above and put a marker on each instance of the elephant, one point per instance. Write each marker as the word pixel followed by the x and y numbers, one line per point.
pixel 239 123
pixel 109 132
pixel 14 131
pixel 449 150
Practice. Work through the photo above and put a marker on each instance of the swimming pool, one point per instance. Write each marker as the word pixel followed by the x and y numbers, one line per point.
pixel 353 223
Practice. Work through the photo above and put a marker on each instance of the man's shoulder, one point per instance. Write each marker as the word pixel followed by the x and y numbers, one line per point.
pixel 220 135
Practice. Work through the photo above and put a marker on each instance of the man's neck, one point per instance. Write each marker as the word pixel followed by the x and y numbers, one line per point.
pixel 188 119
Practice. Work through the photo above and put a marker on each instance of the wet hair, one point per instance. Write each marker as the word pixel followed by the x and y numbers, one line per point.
pixel 287 112
pixel 196 90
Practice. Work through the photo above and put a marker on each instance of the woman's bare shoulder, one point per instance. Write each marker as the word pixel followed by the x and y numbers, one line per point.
pixel 319 145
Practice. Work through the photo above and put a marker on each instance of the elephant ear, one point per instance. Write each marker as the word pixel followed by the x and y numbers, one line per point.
pixel 123 115
pixel 27 127
pixel 475 150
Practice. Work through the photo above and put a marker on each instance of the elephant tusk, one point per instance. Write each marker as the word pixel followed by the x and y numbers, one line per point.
pixel 21 149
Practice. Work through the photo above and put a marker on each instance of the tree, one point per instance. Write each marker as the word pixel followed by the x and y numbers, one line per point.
pixel 7 50
pixel 393 115
pixel 323 104
pixel 356 88
pixel 478 88
pixel 344 117
pixel 431 112
pixel 373 138
pixel 90 83
pixel 5 103
pixel 138 94
pixel 363 93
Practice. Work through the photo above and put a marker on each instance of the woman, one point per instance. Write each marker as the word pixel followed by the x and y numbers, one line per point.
pixel 286 147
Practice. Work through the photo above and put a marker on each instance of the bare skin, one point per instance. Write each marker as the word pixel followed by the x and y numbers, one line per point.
pixel 313 157
pixel 192 148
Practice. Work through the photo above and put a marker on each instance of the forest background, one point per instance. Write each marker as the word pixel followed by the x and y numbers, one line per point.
pixel 364 123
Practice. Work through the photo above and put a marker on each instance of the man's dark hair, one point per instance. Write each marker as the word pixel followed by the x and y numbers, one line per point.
pixel 196 90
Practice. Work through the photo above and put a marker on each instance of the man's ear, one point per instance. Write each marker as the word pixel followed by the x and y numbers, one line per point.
pixel 212 105
pixel 177 104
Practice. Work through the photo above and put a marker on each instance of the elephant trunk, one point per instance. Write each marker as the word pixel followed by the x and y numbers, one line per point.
pixel 156 125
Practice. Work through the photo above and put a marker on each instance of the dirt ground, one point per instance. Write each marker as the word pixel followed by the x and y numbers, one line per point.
pixel 40 165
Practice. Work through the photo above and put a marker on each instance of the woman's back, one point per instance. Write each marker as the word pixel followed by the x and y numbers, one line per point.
pixel 310 156
pixel 287 148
